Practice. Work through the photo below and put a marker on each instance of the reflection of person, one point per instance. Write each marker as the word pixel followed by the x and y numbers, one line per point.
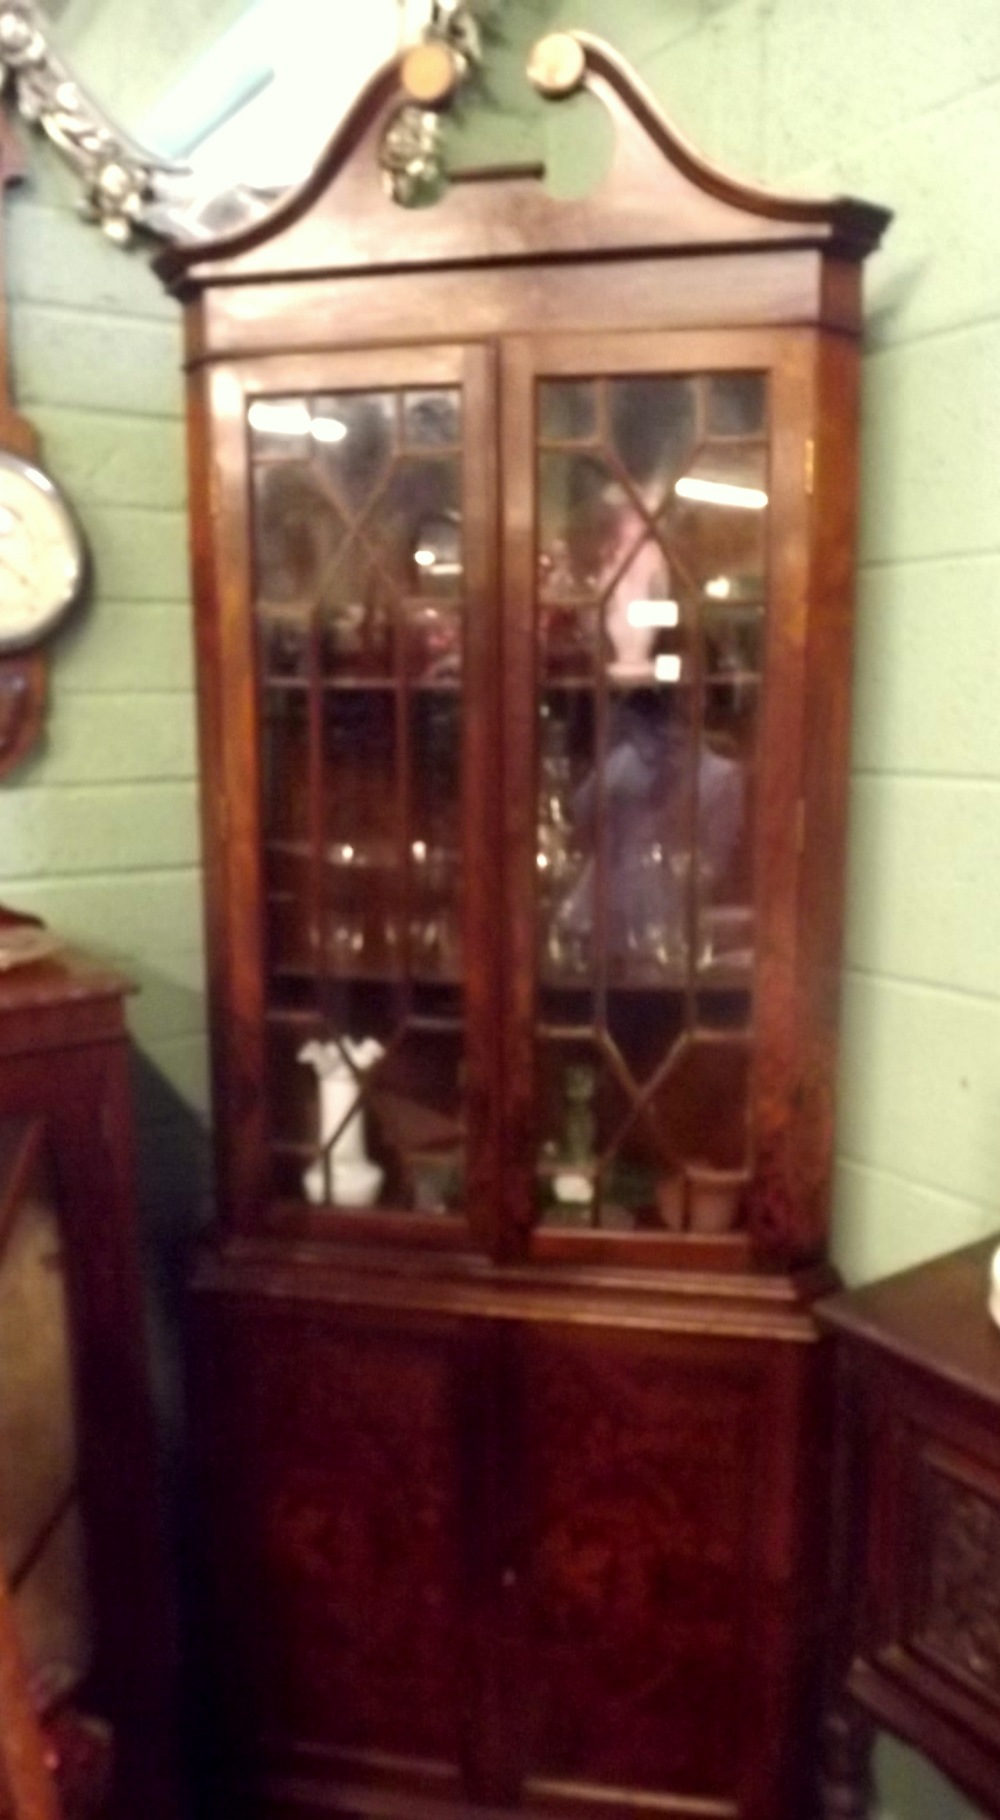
pixel 647 780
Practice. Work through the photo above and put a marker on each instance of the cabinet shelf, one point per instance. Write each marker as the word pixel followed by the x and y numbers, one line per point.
pixel 360 685
pixel 362 976
pixel 621 685
pixel 282 1017
pixel 717 977
pixel 380 856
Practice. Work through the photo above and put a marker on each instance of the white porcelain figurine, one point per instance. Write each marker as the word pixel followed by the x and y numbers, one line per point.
pixel 348 1177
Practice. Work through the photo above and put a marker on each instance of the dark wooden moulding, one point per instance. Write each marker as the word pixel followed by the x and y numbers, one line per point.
pixel 498 1517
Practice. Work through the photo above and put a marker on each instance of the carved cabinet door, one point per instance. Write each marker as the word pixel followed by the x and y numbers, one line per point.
pixel 660 1551
pixel 352 1522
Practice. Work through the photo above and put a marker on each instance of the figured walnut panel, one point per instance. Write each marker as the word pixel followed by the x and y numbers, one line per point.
pixel 333 1502
pixel 639 1475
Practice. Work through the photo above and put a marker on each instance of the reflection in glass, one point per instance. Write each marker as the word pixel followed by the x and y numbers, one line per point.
pixel 671 826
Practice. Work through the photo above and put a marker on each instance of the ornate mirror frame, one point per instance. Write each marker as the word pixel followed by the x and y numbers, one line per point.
pixel 127 188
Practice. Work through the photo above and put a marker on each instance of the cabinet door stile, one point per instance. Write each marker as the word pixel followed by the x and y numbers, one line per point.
pixel 520 792
pixel 483 793
pixel 230 746
pixel 775 1207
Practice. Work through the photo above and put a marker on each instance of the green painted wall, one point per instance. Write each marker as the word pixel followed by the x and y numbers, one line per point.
pixel 897 101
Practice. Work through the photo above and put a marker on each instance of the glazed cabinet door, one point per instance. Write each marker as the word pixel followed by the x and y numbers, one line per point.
pixel 347 600
pixel 655 591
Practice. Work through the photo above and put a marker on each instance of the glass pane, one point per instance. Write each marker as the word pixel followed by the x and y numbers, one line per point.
pixel 715 521
pixel 357 619
pixel 280 429
pixel 299 532
pixel 646 753
pixel 733 642
pixel 567 410
pixel 361 623
pixel 284 757
pixel 736 404
pixel 580 508
pixel 354 434
pixel 638 607
pixel 652 429
pixel 413 527
pixel 430 419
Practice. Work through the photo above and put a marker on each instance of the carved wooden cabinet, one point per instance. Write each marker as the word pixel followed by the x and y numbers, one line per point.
pixel 916 1647
pixel 523 546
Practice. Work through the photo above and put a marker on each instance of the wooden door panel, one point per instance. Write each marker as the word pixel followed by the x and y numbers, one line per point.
pixel 639 1477
pixel 334 1501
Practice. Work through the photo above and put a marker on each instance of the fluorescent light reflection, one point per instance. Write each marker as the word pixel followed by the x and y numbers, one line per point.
pixel 278 418
pixel 719 588
pixel 281 417
pixel 667 669
pixel 720 493
pixel 424 559
pixel 655 613
pixel 328 429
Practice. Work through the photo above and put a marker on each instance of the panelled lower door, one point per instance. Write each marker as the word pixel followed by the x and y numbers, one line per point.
pixel 654 621
pixel 357 621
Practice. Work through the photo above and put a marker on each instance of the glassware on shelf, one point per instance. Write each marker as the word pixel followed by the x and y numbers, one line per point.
pixel 556 579
pixel 574 1174
pixel 727 938
pixel 714 1198
pixel 284 634
pixel 344 1175
pixel 435 930
pixel 437 1181
pixel 434 642
pixel 653 911
pixel 670 1201
pixel 356 631
pixel 345 944
pixel 558 859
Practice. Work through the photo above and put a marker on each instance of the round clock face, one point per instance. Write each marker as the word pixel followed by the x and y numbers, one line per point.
pixel 42 559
